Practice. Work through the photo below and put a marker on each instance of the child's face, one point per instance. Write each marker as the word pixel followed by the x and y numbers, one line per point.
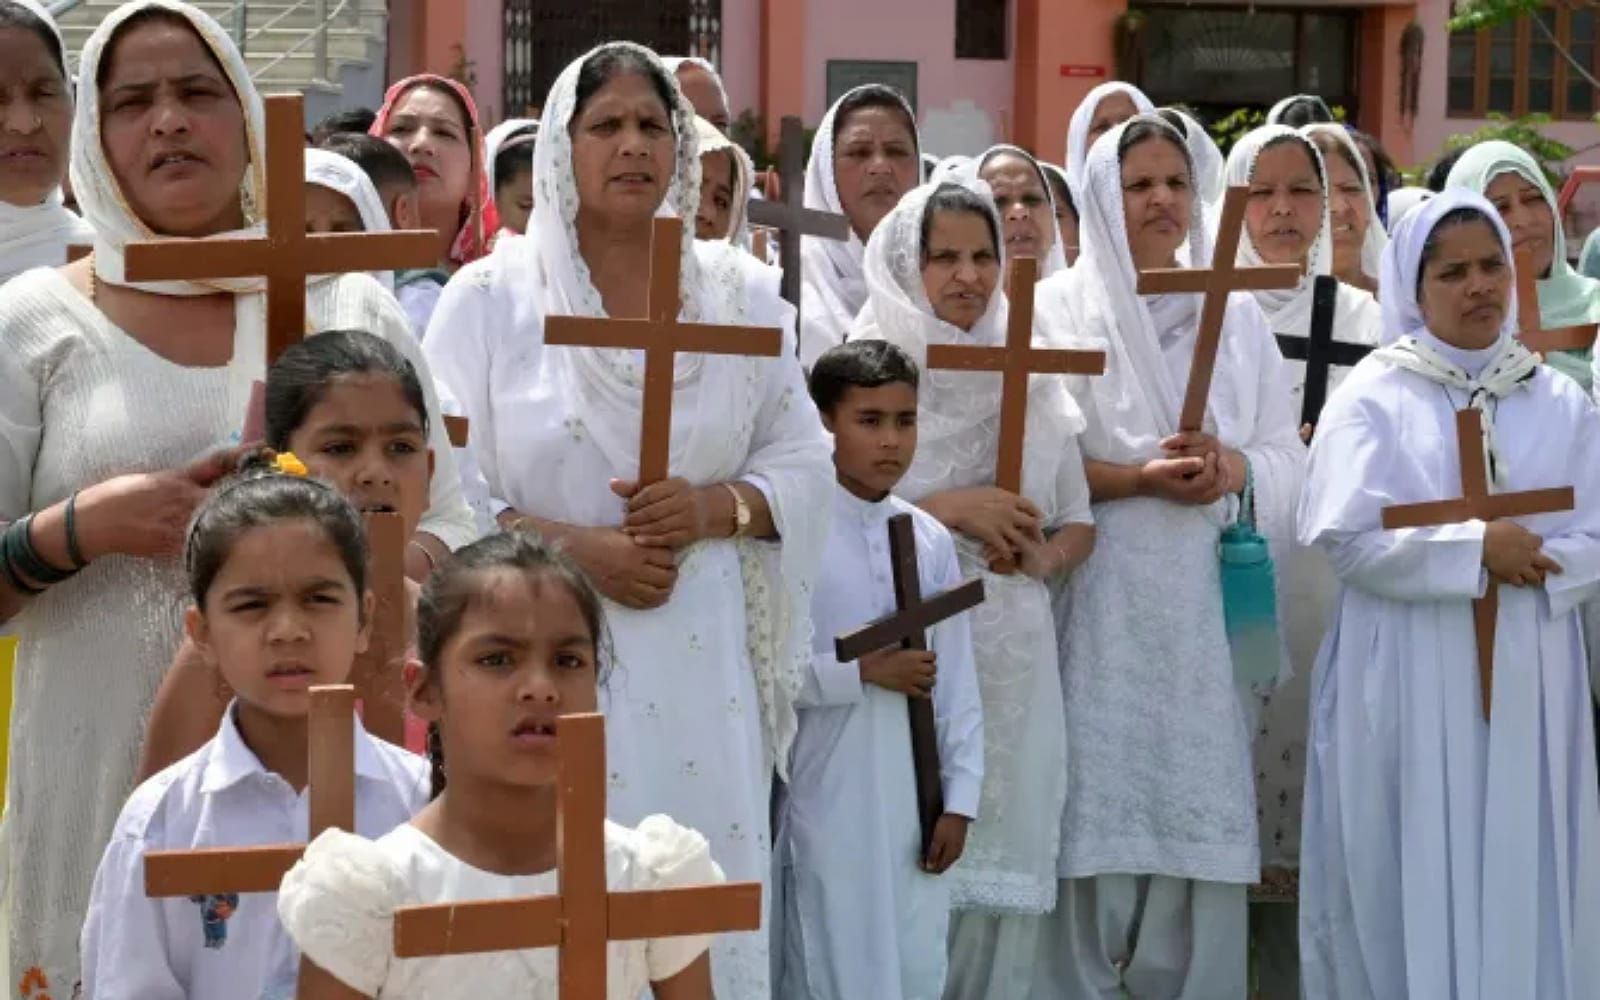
pixel 400 201
pixel 281 616
pixel 328 211
pixel 522 657
pixel 513 199
pixel 874 437
pixel 365 438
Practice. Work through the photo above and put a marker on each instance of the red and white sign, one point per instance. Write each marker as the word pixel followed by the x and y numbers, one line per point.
pixel 1083 72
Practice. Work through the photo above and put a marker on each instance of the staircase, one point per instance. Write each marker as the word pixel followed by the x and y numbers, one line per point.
pixel 332 51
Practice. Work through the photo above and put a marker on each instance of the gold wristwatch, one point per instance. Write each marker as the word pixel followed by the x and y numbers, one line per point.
pixel 741 512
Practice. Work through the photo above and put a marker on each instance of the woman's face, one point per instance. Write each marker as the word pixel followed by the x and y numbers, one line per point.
pixel 715 212
pixel 173 130
pixel 1024 205
pixel 1113 110
pixel 513 200
pixel 426 125
pixel 700 89
pixel 874 164
pixel 35 118
pixel 960 267
pixel 1466 285
pixel 1157 199
pixel 1527 215
pixel 623 151
pixel 1284 212
pixel 1349 212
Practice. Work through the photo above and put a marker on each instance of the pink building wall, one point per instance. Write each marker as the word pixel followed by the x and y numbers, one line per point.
pixel 741 54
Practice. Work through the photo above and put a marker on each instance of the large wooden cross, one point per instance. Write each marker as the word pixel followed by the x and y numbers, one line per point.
pixel 286 256
pixel 377 672
pixel 1017 360
pixel 1320 351
pixel 1477 503
pixel 1217 282
pixel 907 628
pixel 789 215
pixel 1565 338
pixel 330 775
pixel 585 914
pixel 662 336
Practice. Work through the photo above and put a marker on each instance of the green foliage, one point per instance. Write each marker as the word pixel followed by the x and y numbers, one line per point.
pixel 1523 132
pixel 1236 124
pixel 1474 14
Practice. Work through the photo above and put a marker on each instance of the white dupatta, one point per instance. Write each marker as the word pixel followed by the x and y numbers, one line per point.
pixel 343 176
pixel 1083 118
pixel 1287 309
pixel 716 397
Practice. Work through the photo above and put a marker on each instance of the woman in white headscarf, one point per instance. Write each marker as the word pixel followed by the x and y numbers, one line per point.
pixel 726 174
pixel 108 393
pixel 1299 111
pixel 35 228
pixel 1159 832
pixel 508 157
pixel 701 85
pixel 864 157
pixel 1357 231
pixel 342 179
pixel 1006 878
pixel 1209 165
pixel 706 575
pixel 1026 205
pixel 1447 855
pixel 1106 106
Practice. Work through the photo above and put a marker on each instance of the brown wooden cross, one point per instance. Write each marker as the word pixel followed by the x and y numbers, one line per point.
pixel 330 775
pixel 1566 338
pixel 788 213
pixel 662 336
pixel 1017 360
pixel 584 915
pixel 907 628
pixel 1217 282
pixel 377 672
pixel 1477 503
pixel 456 429
pixel 286 256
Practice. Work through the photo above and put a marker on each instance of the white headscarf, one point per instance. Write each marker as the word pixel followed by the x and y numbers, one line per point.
pixel 496 138
pixel 604 388
pixel 340 174
pixel 1055 261
pixel 712 141
pixel 1287 309
pixel 38 235
pixel 1501 369
pixel 1403 200
pixel 674 63
pixel 834 287
pixel 101 200
pixel 1377 237
pixel 1083 117
pixel 958 412
pixel 1206 160
pixel 1275 116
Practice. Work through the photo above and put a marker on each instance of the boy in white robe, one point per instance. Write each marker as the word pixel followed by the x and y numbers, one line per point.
pixel 865 911
pixel 1446 855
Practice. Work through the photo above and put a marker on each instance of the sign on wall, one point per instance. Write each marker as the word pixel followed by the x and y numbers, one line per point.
pixel 844 75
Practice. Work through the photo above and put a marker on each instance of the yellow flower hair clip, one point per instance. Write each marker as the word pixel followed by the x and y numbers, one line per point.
pixel 289 465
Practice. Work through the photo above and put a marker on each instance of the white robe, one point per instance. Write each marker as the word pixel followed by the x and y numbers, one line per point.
pixel 862 918
pixel 686 735
pixel 1446 858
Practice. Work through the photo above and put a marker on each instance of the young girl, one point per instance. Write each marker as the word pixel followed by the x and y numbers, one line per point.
pixel 277 570
pixel 350 407
pixel 509 634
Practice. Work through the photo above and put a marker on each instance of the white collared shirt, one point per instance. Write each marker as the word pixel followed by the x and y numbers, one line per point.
pixel 219 948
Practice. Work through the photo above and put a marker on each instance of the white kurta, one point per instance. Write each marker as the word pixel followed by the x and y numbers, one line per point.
pixel 80 402
pixel 862 919
pixel 685 736
pixel 1447 858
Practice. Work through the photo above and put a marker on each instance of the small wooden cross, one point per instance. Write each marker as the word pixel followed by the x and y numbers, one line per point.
pixel 1566 338
pixel 907 627
pixel 377 672
pixel 1320 351
pixel 661 336
pixel 585 915
pixel 456 429
pixel 789 215
pixel 1017 360
pixel 286 256
pixel 1216 283
pixel 1477 503
pixel 330 774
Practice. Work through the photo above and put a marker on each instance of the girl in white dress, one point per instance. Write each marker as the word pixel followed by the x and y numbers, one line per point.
pixel 511 637
pixel 108 393
pixel 709 607
pixel 278 574
pixel 934 267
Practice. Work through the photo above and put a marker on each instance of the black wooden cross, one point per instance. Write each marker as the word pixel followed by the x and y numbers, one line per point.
pixel 907 627
pixel 1320 351
pixel 789 214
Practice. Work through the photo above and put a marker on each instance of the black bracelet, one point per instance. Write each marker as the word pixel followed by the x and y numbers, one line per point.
pixel 18 584
pixel 23 558
pixel 74 553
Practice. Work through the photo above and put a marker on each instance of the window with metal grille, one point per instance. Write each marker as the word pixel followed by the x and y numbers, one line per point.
pixel 981 29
